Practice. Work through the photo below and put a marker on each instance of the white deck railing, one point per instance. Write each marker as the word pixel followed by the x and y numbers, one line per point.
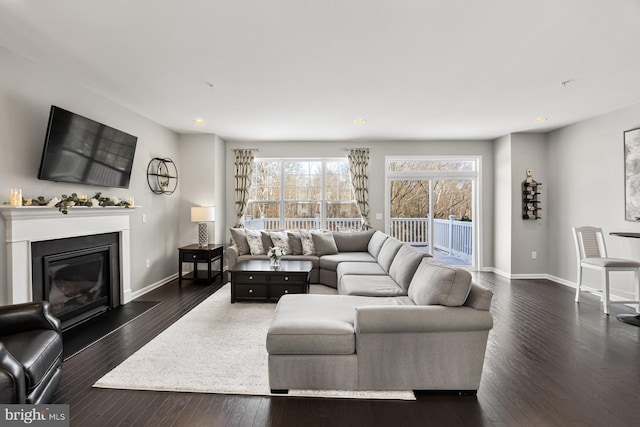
pixel 450 236
pixel 333 224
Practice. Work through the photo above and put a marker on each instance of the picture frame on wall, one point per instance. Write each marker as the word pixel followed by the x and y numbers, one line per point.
pixel 632 174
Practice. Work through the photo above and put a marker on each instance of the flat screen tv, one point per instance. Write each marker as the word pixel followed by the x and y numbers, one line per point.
pixel 83 151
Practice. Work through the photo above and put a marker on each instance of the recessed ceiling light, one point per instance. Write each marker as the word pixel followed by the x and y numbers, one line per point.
pixel 360 121
pixel 199 121
pixel 539 120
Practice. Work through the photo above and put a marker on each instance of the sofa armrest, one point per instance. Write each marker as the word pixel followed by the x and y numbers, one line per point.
pixel 420 319
pixel 28 316
pixel 479 297
pixel 12 380
pixel 231 255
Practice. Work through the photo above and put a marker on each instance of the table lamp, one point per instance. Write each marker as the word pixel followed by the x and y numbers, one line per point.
pixel 202 215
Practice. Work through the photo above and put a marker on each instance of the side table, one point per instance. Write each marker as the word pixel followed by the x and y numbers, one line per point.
pixel 195 254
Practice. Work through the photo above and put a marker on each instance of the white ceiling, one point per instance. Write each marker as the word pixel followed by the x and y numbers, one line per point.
pixel 305 69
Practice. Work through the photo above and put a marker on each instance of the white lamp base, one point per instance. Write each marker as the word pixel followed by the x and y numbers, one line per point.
pixel 203 235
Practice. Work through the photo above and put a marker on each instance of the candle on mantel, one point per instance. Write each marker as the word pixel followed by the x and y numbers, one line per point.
pixel 15 197
pixel 130 200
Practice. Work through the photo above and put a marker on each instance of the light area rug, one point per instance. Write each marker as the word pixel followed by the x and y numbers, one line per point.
pixel 217 347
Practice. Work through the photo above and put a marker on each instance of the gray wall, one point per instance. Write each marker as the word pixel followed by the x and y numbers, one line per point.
pixel 378 151
pixel 516 238
pixel 197 182
pixel 502 205
pixel 528 151
pixel 27 91
pixel 586 187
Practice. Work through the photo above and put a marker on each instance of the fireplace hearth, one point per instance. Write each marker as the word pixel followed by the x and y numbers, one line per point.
pixel 79 276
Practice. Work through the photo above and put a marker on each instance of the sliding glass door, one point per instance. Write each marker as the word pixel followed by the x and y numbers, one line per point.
pixel 431 204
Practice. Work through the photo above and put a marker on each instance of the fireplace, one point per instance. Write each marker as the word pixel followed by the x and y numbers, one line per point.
pixel 26 225
pixel 79 276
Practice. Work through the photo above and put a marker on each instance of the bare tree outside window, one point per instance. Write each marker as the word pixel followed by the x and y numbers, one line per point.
pixel 310 194
pixel 431 205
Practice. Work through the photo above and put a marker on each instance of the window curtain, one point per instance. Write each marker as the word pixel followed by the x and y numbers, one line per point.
pixel 244 169
pixel 359 168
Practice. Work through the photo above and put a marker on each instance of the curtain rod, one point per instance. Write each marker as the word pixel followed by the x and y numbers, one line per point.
pixel 245 149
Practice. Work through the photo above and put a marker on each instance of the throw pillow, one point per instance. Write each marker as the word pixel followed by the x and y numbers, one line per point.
pixel 324 243
pixel 295 243
pixel 308 248
pixel 254 237
pixel 240 239
pixel 280 239
pixel 435 283
pixel 266 240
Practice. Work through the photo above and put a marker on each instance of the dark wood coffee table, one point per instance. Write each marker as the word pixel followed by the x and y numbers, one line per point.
pixel 258 280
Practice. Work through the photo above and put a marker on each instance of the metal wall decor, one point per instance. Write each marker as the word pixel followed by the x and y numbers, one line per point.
pixel 162 175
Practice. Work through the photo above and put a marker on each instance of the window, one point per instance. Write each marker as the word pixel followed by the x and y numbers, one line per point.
pixel 308 194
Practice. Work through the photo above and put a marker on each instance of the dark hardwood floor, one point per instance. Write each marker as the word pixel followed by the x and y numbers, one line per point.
pixel 550 362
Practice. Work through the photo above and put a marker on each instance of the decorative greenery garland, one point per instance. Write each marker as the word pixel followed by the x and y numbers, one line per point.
pixel 65 202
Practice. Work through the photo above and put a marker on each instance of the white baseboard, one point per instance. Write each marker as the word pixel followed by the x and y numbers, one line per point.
pixel 620 295
pixel 153 286
pixel 159 283
pixel 562 281
pixel 498 272
pixel 526 276
pixel 530 276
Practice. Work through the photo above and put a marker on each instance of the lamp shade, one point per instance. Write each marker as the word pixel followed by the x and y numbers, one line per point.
pixel 203 214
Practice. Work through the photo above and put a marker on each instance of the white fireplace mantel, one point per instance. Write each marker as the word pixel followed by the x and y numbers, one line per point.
pixel 26 224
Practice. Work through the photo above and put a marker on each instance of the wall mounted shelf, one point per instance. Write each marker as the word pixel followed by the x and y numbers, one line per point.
pixel 530 197
pixel 162 175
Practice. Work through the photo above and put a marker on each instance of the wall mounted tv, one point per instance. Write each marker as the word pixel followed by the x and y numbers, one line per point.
pixel 83 151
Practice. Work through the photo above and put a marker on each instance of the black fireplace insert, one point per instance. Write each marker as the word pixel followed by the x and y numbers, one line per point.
pixel 79 276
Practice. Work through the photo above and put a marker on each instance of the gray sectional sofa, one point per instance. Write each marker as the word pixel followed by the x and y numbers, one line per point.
pixel 400 321
pixel 329 249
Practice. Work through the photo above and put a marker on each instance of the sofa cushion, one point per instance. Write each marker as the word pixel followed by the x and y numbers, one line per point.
pixel 370 286
pixel 324 243
pixel 331 262
pixel 354 241
pixel 319 324
pixel 240 239
pixel 312 324
pixel 388 252
pixel 438 283
pixel 281 239
pixel 294 242
pixel 404 265
pixel 376 242
pixel 308 248
pixel 363 268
